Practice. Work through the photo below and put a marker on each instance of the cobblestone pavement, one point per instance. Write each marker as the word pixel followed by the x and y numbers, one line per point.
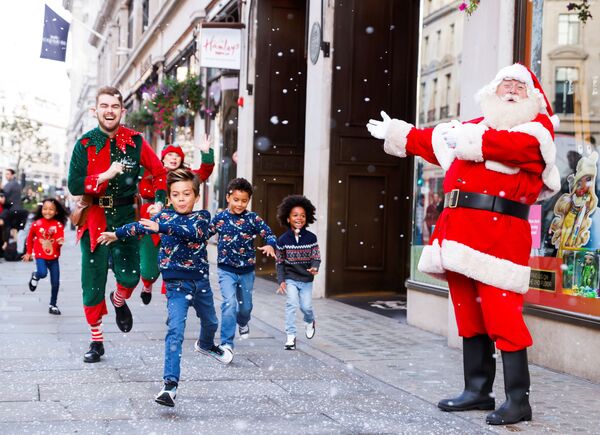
pixel 362 373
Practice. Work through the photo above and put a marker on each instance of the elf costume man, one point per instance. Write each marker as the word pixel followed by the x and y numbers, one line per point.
pixel 172 157
pixel 496 167
pixel 105 165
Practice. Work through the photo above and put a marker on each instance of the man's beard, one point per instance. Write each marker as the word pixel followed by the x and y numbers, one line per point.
pixel 502 114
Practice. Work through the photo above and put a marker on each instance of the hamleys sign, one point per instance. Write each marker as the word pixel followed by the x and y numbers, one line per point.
pixel 220 48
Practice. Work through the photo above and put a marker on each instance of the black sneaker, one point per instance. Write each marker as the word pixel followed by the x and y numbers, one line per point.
pixel 94 353
pixel 146 297
pixel 123 315
pixel 33 282
pixel 167 395
pixel 223 354
pixel 244 331
pixel 53 309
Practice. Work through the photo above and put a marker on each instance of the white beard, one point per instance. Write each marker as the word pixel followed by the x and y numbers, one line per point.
pixel 503 115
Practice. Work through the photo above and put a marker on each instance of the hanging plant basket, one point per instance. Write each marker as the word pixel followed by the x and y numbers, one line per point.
pixel 583 10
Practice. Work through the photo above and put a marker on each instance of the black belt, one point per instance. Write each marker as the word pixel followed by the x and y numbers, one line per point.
pixel 110 201
pixel 481 201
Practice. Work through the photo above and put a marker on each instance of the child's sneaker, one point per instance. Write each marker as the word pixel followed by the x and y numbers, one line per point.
pixel 290 344
pixel 53 309
pixel 244 331
pixel 222 354
pixel 310 329
pixel 33 282
pixel 146 297
pixel 167 395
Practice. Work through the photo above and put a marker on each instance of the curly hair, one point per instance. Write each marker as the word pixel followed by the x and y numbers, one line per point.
pixel 289 202
pixel 240 184
pixel 61 213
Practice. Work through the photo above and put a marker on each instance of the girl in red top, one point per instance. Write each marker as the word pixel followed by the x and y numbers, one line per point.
pixel 45 239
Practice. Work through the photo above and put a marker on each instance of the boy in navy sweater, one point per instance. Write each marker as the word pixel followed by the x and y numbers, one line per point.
pixel 184 266
pixel 298 261
pixel 237 228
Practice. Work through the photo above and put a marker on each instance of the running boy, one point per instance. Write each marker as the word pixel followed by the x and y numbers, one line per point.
pixel 298 261
pixel 237 229
pixel 184 267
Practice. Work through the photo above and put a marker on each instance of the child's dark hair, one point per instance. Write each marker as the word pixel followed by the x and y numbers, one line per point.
pixel 289 202
pixel 183 174
pixel 240 184
pixel 61 213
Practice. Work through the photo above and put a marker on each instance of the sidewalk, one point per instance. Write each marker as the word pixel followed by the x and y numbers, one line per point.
pixel 362 373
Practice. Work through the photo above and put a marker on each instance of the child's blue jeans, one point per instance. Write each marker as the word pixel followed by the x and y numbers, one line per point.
pixel 298 294
pixel 236 291
pixel 181 294
pixel 42 267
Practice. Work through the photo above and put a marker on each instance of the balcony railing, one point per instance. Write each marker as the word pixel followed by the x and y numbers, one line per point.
pixel 431 115
pixel 444 112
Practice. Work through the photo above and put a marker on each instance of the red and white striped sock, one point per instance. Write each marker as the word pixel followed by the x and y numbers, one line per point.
pixel 147 285
pixel 96 329
pixel 118 298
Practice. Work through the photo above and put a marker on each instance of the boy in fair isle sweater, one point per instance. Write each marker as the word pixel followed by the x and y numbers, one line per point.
pixel 237 228
pixel 298 261
pixel 184 266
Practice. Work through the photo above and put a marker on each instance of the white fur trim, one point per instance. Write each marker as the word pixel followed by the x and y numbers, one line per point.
pixel 443 153
pixel 551 175
pixel 467 261
pixel 395 138
pixel 515 71
pixel 469 144
pixel 501 167
pixel 555 120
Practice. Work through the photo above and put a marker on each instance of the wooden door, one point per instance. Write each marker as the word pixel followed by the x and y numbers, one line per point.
pixel 375 68
pixel 280 89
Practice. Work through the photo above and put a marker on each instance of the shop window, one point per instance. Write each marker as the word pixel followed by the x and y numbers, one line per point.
pixel 145 14
pixel 565 258
pixel 438 98
pixel 130 24
pixel 566 79
pixel 568 29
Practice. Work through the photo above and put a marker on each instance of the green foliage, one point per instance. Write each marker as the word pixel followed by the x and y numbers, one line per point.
pixel 583 10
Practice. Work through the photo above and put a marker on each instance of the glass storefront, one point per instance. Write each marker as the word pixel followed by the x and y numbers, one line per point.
pixel 563 52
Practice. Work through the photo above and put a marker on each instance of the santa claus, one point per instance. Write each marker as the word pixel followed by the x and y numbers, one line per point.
pixel 496 167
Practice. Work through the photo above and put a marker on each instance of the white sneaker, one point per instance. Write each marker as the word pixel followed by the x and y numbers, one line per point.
pixel 167 395
pixel 244 332
pixel 290 344
pixel 310 329
pixel 222 354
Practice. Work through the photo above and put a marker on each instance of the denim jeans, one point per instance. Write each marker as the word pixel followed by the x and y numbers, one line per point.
pixel 41 271
pixel 181 294
pixel 236 291
pixel 298 294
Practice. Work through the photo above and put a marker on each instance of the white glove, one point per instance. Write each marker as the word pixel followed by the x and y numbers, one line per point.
pixel 452 134
pixel 378 129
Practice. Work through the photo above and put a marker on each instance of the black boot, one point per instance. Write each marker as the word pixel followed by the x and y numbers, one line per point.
pixel 94 353
pixel 123 315
pixel 480 369
pixel 516 384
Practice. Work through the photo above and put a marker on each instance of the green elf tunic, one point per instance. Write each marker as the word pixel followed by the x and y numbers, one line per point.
pixel 113 206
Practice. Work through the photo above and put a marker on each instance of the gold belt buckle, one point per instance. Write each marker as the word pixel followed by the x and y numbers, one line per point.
pixel 454 195
pixel 105 202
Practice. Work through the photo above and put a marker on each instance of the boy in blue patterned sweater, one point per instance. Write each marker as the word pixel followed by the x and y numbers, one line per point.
pixel 237 228
pixel 184 267
pixel 298 261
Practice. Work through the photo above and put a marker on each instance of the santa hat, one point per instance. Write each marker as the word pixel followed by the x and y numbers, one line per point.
pixel 522 74
pixel 172 149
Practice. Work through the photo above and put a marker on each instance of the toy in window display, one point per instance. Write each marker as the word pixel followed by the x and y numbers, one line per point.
pixel 573 210
pixel 588 276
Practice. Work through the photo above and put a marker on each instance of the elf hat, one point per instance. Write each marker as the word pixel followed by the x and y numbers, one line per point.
pixel 524 75
pixel 172 149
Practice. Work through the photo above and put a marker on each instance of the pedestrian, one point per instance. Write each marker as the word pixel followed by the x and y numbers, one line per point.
pixel 172 157
pixel 497 166
pixel 237 228
pixel 298 261
pixel 105 168
pixel 12 190
pixel 184 267
pixel 45 238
